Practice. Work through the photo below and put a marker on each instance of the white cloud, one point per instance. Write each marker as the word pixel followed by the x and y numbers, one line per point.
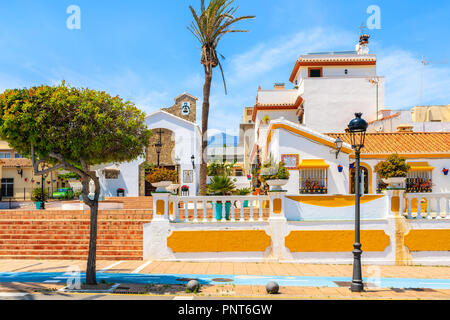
pixel 403 72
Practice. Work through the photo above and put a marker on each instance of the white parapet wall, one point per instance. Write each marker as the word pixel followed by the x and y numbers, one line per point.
pixel 389 238
pixel 334 207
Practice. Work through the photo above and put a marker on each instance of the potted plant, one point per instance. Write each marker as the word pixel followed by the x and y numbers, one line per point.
pixel 340 168
pixel 445 171
pixel 275 176
pixel 36 197
pixel 161 178
pixel 223 186
pixel 393 171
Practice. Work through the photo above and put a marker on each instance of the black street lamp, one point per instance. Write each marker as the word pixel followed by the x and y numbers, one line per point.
pixel 357 129
pixel 193 161
pixel 158 146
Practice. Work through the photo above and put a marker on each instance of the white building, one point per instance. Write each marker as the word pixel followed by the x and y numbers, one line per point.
pixel 299 126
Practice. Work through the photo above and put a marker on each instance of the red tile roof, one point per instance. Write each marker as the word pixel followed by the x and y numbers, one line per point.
pixel 12 163
pixel 402 142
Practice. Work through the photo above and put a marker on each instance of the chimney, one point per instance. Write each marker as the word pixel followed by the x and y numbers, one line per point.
pixel 278 86
pixel 363 46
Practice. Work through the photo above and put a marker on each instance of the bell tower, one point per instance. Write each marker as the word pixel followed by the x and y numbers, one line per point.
pixel 185 107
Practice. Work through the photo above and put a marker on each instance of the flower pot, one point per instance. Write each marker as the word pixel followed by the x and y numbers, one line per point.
pixel 161 186
pixel 395 182
pixel 445 172
pixel 219 206
pixel 245 205
pixel 38 205
pixel 275 185
pixel 340 168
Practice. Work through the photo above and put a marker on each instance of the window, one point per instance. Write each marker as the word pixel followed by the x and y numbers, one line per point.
pixel 419 181
pixel 346 71
pixel 315 72
pixel 17 155
pixel 313 180
pixel 7 187
pixel 5 155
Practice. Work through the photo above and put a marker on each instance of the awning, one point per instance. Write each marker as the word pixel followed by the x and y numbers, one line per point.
pixel 420 166
pixel 313 164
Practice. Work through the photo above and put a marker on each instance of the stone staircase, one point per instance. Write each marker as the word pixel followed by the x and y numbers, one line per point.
pixel 51 234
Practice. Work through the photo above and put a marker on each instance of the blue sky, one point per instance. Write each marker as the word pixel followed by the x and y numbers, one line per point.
pixel 142 51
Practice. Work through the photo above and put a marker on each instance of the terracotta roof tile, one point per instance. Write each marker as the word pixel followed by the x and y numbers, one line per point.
pixel 385 118
pixel 402 142
pixel 12 163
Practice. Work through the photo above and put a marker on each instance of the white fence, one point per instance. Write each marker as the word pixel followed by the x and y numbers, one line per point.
pixel 437 205
pixel 203 207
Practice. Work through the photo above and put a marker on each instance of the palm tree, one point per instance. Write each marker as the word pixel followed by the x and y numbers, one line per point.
pixel 209 27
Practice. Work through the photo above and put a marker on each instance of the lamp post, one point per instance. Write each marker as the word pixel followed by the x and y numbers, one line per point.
pixel 357 129
pixel 193 161
pixel 177 162
pixel 158 146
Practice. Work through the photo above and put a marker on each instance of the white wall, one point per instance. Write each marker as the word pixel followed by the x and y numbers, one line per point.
pixel 330 103
pixel 285 142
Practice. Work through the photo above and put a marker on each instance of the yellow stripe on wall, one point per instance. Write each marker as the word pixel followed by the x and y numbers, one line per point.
pixel 218 241
pixel 335 241
pixel 428 240
pixel 333 201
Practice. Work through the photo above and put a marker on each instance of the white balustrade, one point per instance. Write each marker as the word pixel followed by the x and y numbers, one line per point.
pixel 223 207
pixel 434 208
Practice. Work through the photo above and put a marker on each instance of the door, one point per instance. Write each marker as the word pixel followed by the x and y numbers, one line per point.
pixel 149 188
pixel 8 187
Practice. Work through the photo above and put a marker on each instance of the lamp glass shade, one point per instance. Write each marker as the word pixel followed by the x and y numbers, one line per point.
pixel 338 143
pixel 357 129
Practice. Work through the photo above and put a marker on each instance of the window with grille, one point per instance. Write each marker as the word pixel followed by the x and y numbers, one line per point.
pixel 313 181
pixel 5 155
pixel 419 181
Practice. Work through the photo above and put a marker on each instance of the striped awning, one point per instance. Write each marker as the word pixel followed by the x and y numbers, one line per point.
pixel 420 166
pixel 313 164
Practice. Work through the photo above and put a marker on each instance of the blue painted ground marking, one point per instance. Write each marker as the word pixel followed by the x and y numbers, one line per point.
pixel 300 281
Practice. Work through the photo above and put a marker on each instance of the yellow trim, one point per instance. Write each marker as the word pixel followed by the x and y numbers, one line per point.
pixel 333 201
pixel 335 240
pixel 420 166
pixel 218 241
pixel 302 133
pixel 313 164
pixel 369 169
pixel 277 206
pixel 428 240
pixel 160 207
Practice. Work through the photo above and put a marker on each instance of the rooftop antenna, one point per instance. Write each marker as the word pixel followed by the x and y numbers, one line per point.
pixel 424 63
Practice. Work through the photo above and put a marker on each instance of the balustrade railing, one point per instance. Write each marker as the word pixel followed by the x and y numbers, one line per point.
pixel 427 205
pixel 219 208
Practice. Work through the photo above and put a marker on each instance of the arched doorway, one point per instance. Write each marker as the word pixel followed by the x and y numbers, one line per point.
pixel 166 138
pixel 364 170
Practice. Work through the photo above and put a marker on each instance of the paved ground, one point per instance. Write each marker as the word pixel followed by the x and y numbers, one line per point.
pixel 247 280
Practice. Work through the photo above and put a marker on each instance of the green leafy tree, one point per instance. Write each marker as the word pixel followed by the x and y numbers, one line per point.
pixel 209 26
pixel 221 185
pixel 394 166
pixel 73 129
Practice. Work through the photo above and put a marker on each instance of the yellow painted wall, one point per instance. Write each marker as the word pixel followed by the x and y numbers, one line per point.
pixel 335 240
pixel 20 184
pixel 218 241
pixel 428 240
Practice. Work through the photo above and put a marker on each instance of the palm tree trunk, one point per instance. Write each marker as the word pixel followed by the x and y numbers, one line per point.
pixel 205 114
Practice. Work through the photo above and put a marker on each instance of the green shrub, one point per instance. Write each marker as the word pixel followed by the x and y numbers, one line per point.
pixel 394 166
pixel 221 185
pixel 217 168
pixel 271 171
pixel 36 195
pixel 243 192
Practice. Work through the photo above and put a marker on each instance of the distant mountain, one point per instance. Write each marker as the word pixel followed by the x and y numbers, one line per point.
pixel 221 139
